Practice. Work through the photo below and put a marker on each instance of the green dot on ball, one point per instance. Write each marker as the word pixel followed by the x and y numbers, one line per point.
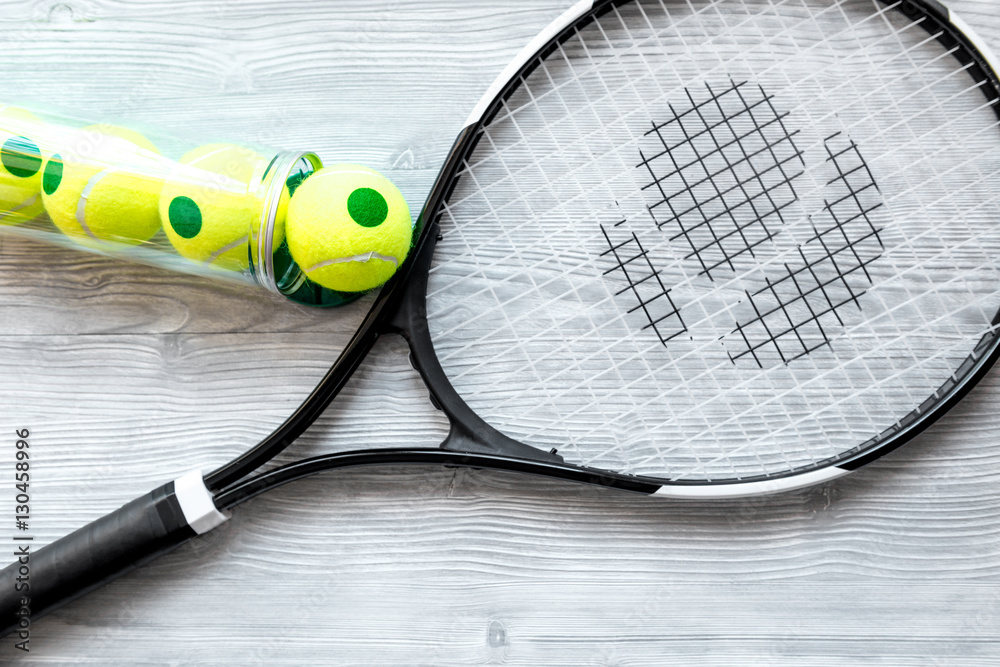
pixel 185 217
pixel 367 207
pixel 21 157
pixel 52 178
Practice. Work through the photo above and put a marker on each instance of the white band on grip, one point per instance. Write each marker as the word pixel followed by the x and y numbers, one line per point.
pixel 196 503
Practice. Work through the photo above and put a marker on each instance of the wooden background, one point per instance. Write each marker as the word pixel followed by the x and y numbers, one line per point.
pixel 128 376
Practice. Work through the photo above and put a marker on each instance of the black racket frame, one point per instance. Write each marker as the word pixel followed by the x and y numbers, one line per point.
pixel 401 309
pixel 154 524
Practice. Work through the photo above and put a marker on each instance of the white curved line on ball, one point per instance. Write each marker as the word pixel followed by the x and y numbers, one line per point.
pixel 226 248
pixel 219 180
pixel 81 206
pixel 355 258
pixel 218 151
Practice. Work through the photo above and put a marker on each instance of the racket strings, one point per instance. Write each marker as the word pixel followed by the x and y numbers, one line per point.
pixel 798 308
pixel 711 250
pixel 865 211
pixel 643 280
pixel 471 166
pixel 593 298
pixel 704 235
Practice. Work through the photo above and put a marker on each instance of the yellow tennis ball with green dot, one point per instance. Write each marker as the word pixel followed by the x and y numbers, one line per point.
pixel 21 164
pixel 348 228
pixel 210 208
pixel 96 191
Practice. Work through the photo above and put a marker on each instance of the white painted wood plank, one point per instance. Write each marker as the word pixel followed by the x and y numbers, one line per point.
pixel 128 376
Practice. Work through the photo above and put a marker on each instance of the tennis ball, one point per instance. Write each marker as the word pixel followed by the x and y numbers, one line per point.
pixel 348 228
pixel 211 205
pixel 93 189
pixel 20 166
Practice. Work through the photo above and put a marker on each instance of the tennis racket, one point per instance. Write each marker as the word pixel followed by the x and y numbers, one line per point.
pixel 694 248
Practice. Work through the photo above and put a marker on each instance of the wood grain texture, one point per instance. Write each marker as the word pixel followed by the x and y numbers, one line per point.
pixel 128 376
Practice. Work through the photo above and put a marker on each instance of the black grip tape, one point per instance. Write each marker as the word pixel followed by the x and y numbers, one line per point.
pixel 92 556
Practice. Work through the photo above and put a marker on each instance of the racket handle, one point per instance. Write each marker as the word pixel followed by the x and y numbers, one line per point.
pixel 112 546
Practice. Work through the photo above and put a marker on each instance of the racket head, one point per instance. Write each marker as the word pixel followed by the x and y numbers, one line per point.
pixel 582 296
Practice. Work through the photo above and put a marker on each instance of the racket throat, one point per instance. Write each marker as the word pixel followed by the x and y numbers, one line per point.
pixel 487 440
pixel 469 433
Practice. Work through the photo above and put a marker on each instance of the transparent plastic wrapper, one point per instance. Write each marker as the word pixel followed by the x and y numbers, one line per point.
pixel 214 209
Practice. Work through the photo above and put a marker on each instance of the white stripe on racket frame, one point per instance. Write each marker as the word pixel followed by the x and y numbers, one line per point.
pixel 723 490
